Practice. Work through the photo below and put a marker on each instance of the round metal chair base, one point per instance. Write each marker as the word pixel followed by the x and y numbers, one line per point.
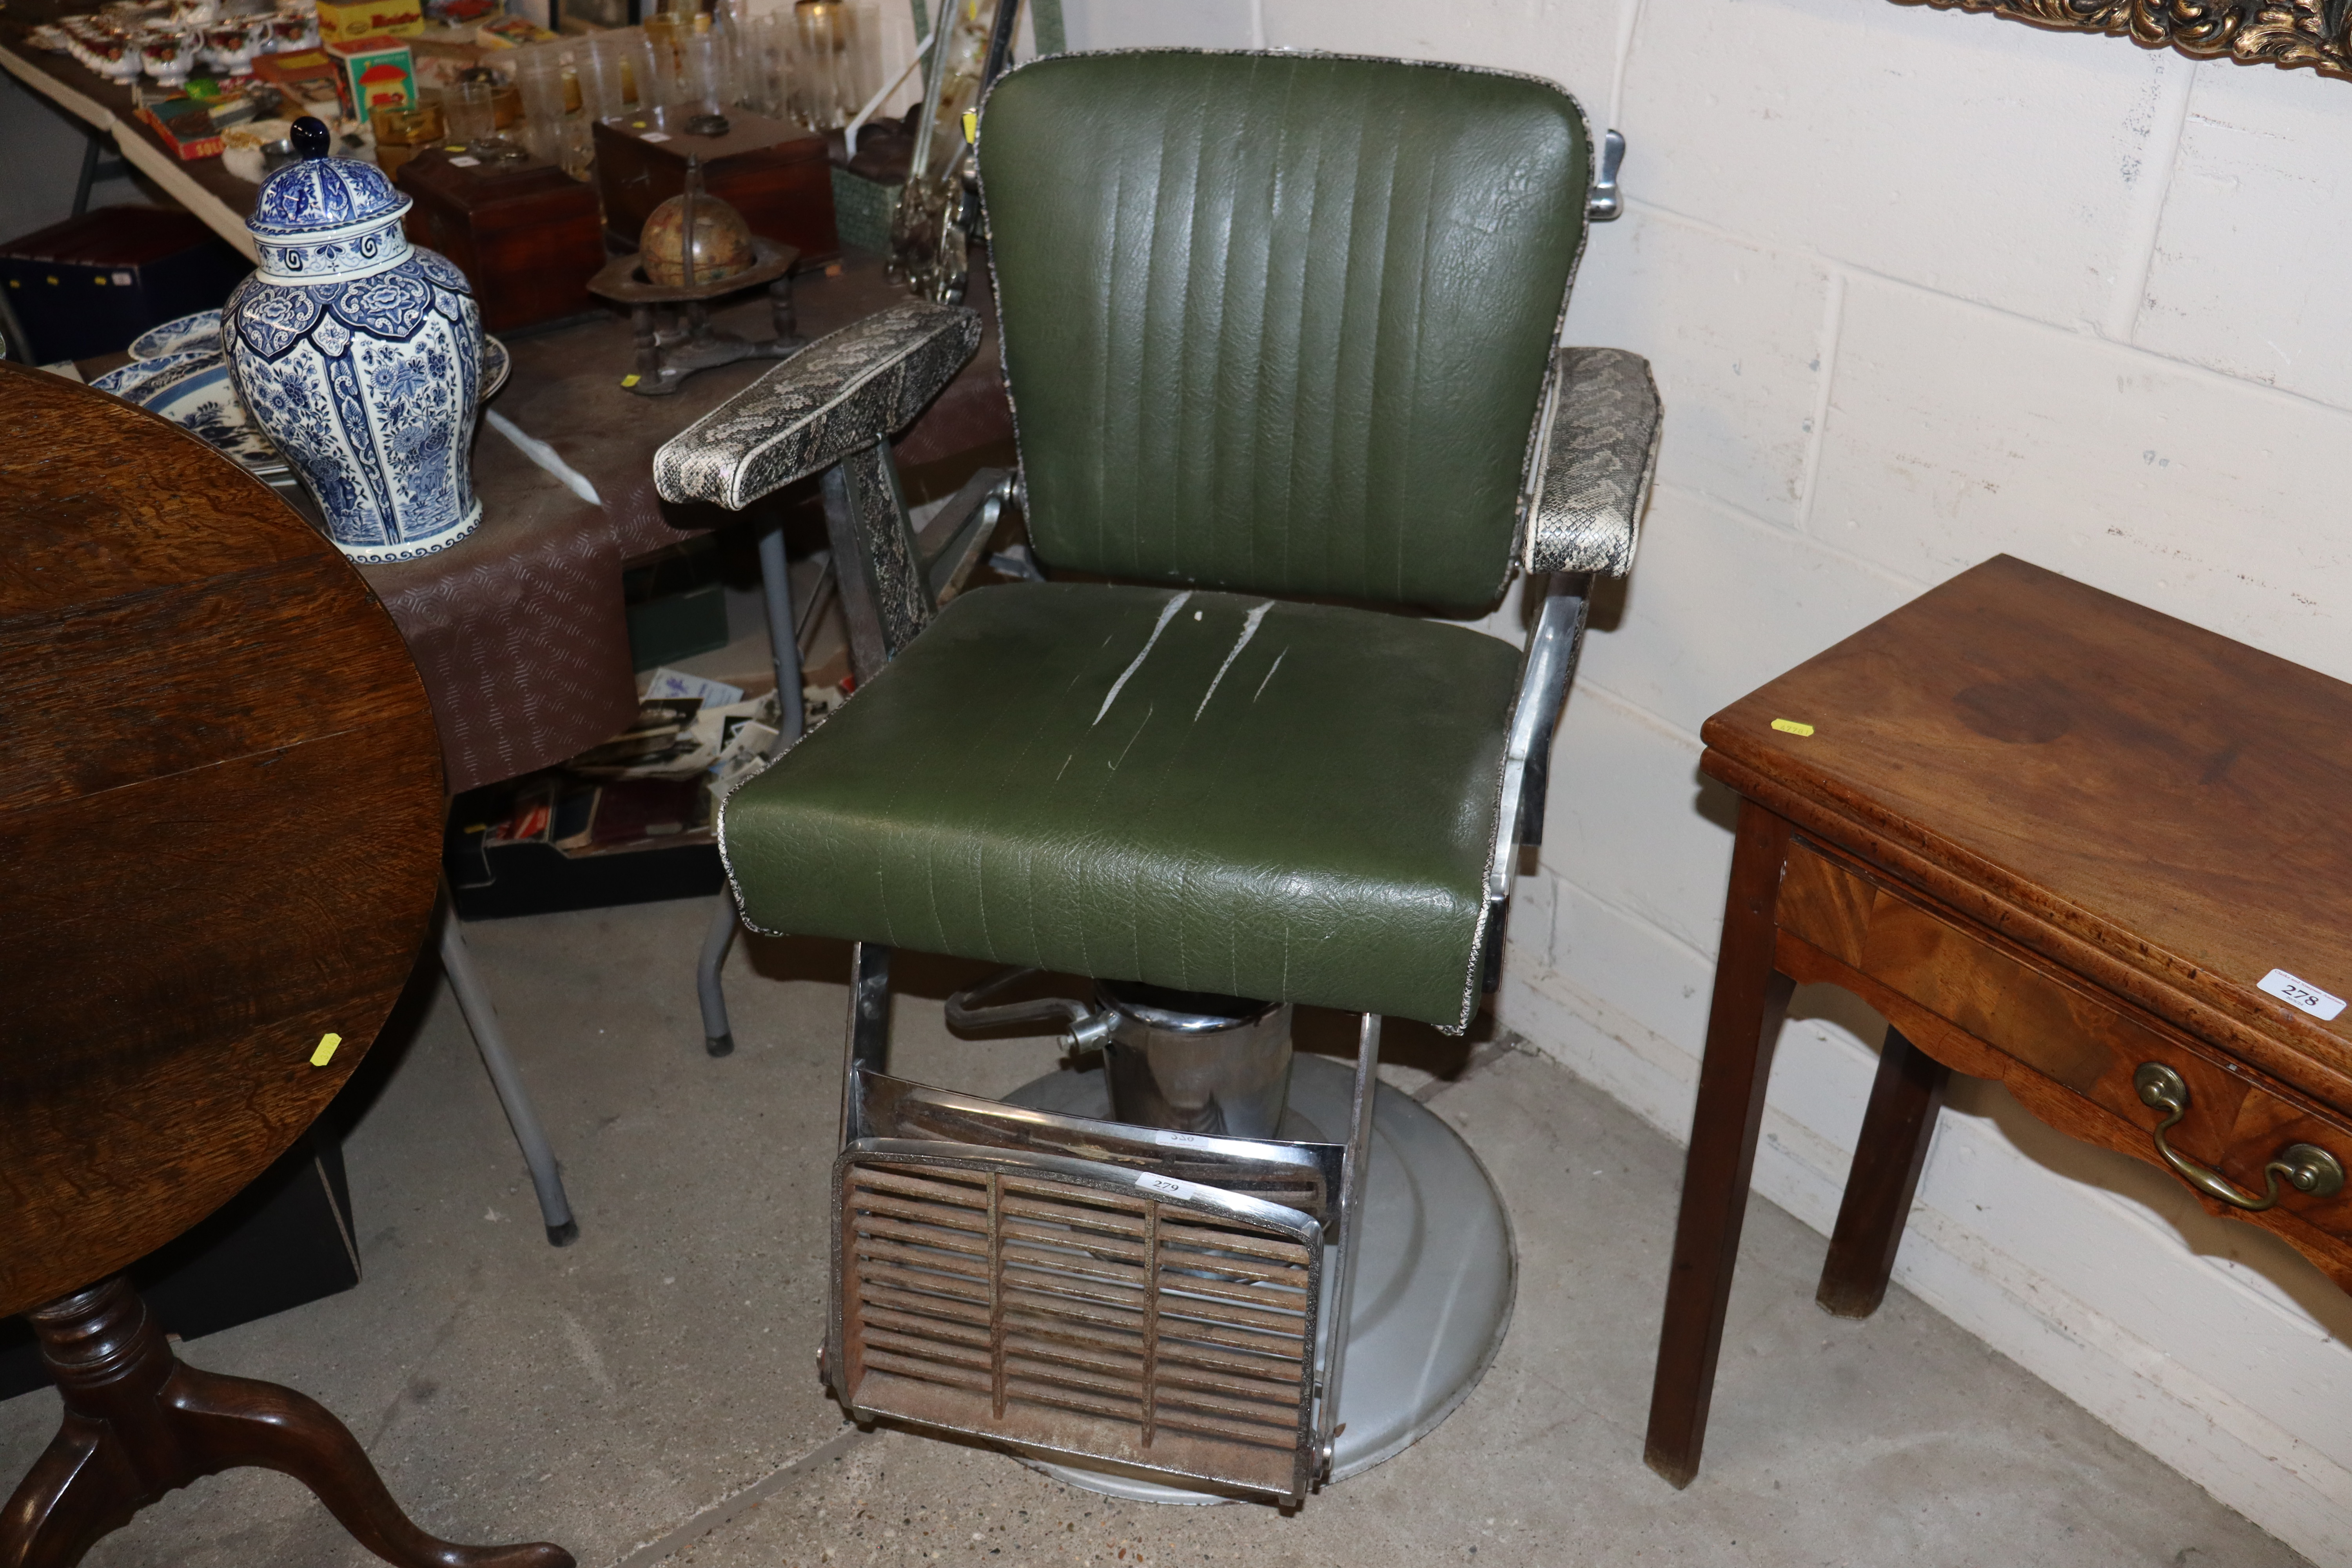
pixel 1434 1283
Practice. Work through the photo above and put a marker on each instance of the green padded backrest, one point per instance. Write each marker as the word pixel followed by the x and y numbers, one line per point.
pixel 1280 322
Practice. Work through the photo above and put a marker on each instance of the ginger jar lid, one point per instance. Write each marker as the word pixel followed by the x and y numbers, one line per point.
pixel 324 217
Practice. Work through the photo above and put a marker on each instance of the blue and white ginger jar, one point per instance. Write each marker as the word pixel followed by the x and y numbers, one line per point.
pixel 360 355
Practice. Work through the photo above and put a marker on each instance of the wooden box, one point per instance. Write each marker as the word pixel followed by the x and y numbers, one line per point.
pixel 526 234
pixel 340 21
pixel 775 172
pixel 89 285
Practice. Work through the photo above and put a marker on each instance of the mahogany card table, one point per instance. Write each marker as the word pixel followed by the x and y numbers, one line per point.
pixel 2056 839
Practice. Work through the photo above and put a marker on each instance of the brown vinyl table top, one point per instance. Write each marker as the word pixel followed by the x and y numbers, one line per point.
pixel 520 630
pixel 2146 803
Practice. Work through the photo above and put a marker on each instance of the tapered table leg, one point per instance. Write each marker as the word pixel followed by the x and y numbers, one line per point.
pixel 139 1423
pixel 1750 1000
pixel 1904 1100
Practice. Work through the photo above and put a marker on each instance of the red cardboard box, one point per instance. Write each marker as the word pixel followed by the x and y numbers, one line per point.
pixel 186 126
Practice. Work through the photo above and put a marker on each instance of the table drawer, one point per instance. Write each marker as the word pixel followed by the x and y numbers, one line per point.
pixel 2061 1029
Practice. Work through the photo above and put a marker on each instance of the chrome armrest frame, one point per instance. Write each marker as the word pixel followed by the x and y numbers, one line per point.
pixel 842 394
pixel 1601 425
pixel 1553 648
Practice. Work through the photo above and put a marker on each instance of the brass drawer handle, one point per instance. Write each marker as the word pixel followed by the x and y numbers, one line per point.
pixel 2308 1167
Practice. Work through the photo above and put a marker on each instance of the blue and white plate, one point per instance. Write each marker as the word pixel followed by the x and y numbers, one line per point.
pixel 495 362
pixel 203 402
pixel 126 381
pixel 201 331
pixel 191 387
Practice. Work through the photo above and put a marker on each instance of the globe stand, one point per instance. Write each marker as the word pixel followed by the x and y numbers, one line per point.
pixel 667 355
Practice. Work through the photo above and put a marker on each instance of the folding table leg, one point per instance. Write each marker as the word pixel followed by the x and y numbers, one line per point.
pixel 482 1018
pixel 1751 998
pixel 1887 1157
pixel 717 1037
pixel 785 648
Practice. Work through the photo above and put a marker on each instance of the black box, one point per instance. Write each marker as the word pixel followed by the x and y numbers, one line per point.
pixel 88 285
pixel 501 855
pixel 284 1241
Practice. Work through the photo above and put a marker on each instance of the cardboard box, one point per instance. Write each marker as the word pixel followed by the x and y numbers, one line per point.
pixel 346 21
pixel 372 74
pixel 442 54
pixel 305 75
pixel 186 126
pixel 512 32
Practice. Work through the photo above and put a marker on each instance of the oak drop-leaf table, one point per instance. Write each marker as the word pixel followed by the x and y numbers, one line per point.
pixel 2056 839
pixel 220 813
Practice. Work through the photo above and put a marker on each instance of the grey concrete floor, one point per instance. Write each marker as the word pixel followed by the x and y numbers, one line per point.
pixel 649 1395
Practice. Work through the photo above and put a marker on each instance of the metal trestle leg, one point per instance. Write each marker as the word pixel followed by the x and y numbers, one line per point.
pixel 784 644
pixel 482 1018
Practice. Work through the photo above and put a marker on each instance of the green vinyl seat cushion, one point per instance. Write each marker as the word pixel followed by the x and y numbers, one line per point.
pixel 1206 791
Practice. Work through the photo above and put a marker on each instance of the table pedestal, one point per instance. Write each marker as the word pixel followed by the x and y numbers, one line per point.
pixel 139 1421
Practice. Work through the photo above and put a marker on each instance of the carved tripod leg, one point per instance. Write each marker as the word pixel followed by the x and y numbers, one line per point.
pixel 139 1423
pixel 228 1422
pixel 81 1489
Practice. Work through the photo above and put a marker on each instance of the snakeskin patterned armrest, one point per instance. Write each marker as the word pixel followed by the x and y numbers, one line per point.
pixel 841 394
pixel 1600 448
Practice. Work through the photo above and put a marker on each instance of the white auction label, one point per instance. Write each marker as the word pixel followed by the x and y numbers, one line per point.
pixel 2300 993
pixel 1166 1186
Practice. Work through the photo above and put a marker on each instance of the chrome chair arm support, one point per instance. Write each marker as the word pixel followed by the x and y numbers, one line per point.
pixel 1606 202
pixel 1599 448
pixel 836 397
pixel 1553 648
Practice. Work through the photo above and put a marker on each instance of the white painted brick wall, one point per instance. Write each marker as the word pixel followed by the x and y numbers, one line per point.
pixel 1919 288
pixel 2259 216
pixel 1964 154
pixel 1956 432
pixel 1732 328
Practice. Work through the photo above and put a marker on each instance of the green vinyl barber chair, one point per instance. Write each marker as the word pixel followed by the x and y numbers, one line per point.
pixel 1279 332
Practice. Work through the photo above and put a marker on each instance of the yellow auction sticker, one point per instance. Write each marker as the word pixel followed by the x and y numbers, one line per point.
pixel 1791 727
pixel 326 1051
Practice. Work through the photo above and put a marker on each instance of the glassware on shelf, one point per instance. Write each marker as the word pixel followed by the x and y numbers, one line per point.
pixel 701 72
pixel 538 75
pixel 468 110
pixel 835 41
pixel 602 62
pixel 764 63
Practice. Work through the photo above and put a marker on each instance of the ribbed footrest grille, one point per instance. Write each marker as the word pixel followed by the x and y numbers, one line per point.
pixel 1076 1309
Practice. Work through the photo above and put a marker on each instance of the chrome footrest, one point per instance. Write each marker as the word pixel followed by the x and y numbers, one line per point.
pixel 1067 1307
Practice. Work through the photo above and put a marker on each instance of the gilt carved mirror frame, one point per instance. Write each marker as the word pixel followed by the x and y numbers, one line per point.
pixel 2287 33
